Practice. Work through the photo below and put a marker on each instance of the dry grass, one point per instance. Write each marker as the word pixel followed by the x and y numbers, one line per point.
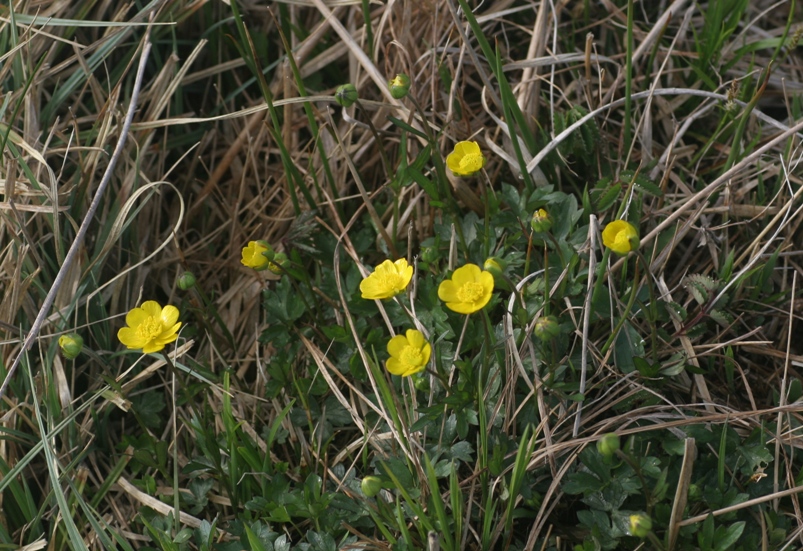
pixel 202 172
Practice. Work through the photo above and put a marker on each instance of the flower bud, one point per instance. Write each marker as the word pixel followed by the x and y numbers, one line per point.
pixel 278 263
pixel 430 254
pixel 346 95
pixel 495 266
pixel 71 345
pixel 541 222
pixel 421 381
pixel 640 525
pixel 608 445
pixel 186 281
pixel 399 86
pixel 547 328
pixel 371 485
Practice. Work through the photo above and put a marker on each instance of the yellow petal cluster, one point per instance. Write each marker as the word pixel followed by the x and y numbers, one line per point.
pixel 409 353
pixel 469 290
pixel 388 280
pixel 254 255
pixel 150 327
pixel 466 159
pixel 620 237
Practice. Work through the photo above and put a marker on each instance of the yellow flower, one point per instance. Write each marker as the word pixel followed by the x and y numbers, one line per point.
pixel 466 159
pixel 254 255
pixel 388 280
pixel 150 327
pixel 620 237
pixel 409 353
pixel 469 289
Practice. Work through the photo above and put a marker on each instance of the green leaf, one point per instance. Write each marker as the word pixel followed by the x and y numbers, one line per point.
pixel 705 537
pixel 726 537
pixel 581 483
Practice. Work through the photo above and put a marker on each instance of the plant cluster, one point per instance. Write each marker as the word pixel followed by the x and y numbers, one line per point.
pixel 520 278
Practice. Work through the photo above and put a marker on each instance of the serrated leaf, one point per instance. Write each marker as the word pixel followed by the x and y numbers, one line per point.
pixel 721 317
pixel 676 311
pixel 698 293
pixel 706 282
pixel 696 330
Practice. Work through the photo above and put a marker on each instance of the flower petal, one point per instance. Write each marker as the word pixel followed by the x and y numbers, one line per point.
pixel 472 163
pixel 396 345
pixel 415 338
pixel 135 317
pixel 426 352
pixel 466 274
pixel 152 308
pixel 486 279
pixel 152 347
pixel 394 366
pixel 372 289
pixel 386 266
pixel 466 148
pixel 130 338
pixel 447 291
pixel 453 162
pixel 463 307
pixel 169 315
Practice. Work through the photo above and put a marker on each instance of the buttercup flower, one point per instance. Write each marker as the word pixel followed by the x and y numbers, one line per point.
pixel 254 255
pixel 620 237
pixel 466 159
pixel 409 353
pixel 150 327
pixel 388 280
pixel 469 289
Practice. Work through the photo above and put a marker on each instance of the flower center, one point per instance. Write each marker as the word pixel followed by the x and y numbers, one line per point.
pixel 470 292
pixel 150 328
pixel 390 280
pixel 411 356
pixel 471 162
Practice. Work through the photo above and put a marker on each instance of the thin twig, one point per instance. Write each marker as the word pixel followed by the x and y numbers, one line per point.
pixel 36 327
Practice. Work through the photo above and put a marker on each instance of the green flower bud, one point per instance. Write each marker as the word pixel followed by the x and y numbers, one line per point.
pixel 608 445
pixel 547 328
pixel 495 266
pixel 278 263
pixel 421 381
pixel 640 525
pixel 186 281
pixel 541 221
pixel 346 95
pixel 71 345
pixel 399 86
pixel 430 254
pixel 371 485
